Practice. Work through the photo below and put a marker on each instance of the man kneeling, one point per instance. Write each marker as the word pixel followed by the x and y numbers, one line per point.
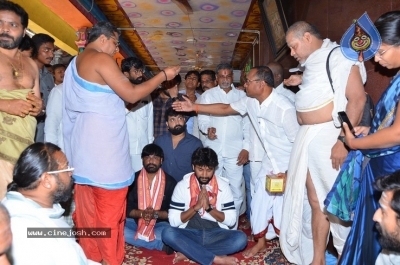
pixel 202 204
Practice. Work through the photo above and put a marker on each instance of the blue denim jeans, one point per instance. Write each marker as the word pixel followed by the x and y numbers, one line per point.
pixel 130 232
pixel 247 177
pixel 202 245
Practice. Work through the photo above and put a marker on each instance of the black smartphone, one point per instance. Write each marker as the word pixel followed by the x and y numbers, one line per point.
pixel 343 118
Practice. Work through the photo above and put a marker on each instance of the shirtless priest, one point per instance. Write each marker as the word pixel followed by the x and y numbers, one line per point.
pixel 19 91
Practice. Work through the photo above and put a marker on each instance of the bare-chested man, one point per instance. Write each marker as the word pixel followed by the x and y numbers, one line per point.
pixel 318 150
pixel 96 139
pixel 19 91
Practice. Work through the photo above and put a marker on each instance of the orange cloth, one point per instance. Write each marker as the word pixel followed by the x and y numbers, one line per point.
pixel 145 199
pixel 262 233
pixel 212 190
pixel 98 207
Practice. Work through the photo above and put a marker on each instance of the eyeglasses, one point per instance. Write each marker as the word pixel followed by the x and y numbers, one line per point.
pixel 206 81
pixel 248 81
pixel 381 53
pixel 68 169
pixel 117 42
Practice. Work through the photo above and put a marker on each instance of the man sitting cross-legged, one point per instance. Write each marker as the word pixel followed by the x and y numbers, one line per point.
pixel 201 212
pixel 148 200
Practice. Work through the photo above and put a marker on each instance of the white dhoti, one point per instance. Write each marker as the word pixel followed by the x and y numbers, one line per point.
pixel 311 151
pixel 255 167
pixel 267 214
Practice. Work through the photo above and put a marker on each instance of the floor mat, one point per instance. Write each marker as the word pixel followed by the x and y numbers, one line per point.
pixel 142 256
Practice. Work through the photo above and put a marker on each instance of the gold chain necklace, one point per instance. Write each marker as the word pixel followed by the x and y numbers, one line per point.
pixel 17 73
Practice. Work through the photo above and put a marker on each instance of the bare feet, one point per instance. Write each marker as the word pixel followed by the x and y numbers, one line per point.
pixel 178 257
pixel 259 247
pixel 225 260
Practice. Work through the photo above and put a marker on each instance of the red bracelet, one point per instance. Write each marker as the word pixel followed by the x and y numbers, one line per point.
pixel 197 108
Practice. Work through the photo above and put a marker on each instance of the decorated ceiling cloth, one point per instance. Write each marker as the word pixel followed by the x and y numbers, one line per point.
pixel 211 31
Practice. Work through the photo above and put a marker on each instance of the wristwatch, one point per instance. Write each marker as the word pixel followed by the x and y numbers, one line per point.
pixel 210 208
pixel 155 215
pixel 341 138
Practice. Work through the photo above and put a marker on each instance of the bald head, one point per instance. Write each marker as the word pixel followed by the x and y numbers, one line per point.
pixel 300 27
pixel 303 39
pixel 277 71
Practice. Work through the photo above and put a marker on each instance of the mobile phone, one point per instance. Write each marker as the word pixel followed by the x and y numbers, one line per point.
pixel 343 118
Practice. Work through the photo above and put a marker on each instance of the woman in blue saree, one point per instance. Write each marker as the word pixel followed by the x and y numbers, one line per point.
pixel 380 148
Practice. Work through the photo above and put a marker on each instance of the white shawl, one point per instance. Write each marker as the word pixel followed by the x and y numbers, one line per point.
pixel 315 90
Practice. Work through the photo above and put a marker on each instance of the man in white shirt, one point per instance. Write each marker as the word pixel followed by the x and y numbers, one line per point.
pixel 275 123
pixel 42 178
pixel 207 80
pixel 139 116
pixel 200 214
pixel 227 136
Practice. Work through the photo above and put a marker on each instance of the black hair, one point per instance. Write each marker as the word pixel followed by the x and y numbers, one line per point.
pixel 130 62
pixel 301 27
pixel 26 44
pixel 265 74
pixel 392 183
pixel 59 65
pixel 210 73
pixel 170 112
pixel 177 80
pixel 32 163
pixel 223 66
pixel 388 26
pixel 102 28
pixel 38 40
pixel 193 72
pixel 205 156
pixel 152 149
pixel 17 9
